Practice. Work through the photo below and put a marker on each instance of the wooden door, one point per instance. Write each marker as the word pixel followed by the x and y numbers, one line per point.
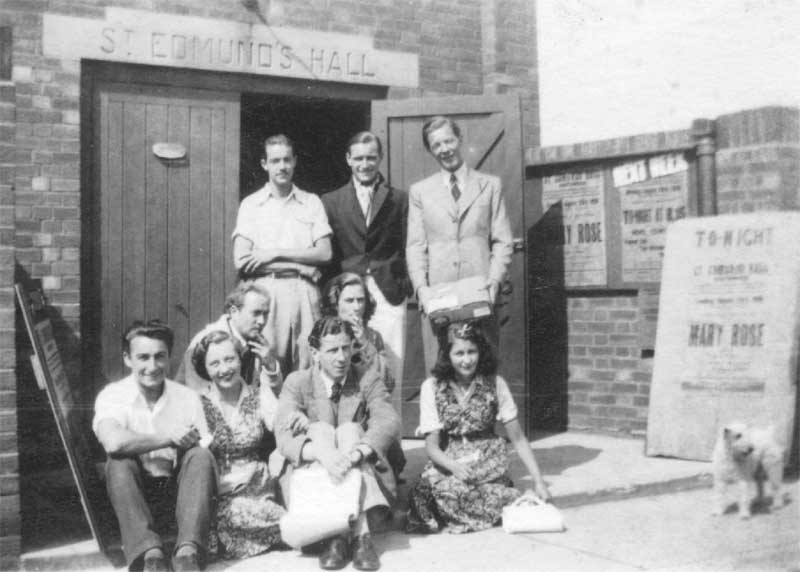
pixel 491 128
pixel 164 223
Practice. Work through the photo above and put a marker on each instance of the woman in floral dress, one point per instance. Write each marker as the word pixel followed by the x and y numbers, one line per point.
pixel 247 514
pixel 465 485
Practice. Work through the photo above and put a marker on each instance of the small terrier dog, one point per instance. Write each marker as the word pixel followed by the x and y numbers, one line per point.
pixel 748 457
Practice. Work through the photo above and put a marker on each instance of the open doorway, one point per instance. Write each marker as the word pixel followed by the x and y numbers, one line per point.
pixel 319 127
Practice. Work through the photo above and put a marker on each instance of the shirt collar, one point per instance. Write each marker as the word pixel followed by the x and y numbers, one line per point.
pixel 460 173
pixel 364 188
pixel 328 382
pixel 137 398
pixel 269 191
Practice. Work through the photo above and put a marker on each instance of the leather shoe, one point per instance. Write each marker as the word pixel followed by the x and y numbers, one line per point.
pixel 364 555
pixel 335 556
pixel 155 564
pixel 185 563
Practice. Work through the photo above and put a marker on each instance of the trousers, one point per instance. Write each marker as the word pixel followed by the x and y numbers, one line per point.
pixel 140 502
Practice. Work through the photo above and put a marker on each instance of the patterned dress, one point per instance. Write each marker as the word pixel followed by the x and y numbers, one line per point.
pixel 246 521
pixel 439 500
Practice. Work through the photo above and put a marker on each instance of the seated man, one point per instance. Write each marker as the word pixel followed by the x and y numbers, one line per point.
pixel 151 429
pixel 351 424
pixel 246 312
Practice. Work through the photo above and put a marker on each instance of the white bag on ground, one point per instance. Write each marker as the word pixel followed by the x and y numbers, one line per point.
pixel 318 507
pixel 529 513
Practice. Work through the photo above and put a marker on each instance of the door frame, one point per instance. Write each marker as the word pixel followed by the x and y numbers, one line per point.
pixel 95 73
pixel 510 105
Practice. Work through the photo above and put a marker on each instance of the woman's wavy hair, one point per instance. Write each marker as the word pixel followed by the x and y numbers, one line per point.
pixel 201 349
pixel 469 331
pixel 333 291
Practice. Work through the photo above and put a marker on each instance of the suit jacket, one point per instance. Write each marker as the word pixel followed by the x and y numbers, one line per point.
pixel 364 401
pixel 449 240
pixel 378 249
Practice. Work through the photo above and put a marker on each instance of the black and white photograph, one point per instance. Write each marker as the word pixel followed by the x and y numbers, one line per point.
pixel 399 285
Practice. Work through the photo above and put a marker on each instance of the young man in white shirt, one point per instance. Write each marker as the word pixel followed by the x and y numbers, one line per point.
pixel 153 430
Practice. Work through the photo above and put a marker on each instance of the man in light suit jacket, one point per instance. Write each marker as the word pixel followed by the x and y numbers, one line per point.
pixel 457 226
pixel 351 424
pixel 369 219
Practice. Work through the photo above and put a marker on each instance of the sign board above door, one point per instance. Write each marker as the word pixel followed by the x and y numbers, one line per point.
pixel 136 36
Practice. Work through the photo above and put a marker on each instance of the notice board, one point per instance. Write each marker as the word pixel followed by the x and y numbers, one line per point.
pixel 69 412
pixel 727 334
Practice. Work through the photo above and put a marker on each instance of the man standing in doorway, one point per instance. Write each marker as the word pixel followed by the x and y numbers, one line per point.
pixel 369 221
pixel 281 238
pixel 457 226
pixel 152 429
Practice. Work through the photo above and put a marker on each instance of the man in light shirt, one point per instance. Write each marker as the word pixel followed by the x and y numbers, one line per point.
pixel 457 227
pixel 281 238
pixel 152 430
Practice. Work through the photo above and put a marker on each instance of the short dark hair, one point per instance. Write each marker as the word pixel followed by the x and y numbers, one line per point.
pixel 470 331
pixel 201 349
pixel 235 298
pixel 437 122
pixel 154 329
pixel 279 139
pixel 332 291
pixel 328 326
pixel 365 137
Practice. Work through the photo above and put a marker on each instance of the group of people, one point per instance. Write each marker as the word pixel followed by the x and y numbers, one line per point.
pixel 291 378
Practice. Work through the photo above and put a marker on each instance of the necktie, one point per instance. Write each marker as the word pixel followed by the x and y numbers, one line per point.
pixel 368 212
pixel 336 392
pixel 248 366
pixel 454 190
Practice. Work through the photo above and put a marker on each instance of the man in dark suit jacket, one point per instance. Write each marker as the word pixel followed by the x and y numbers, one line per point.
pixel 369 222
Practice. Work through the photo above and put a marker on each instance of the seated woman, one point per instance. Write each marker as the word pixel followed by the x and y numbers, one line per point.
pixel 346 296
pixel 247 513
pixel 465 485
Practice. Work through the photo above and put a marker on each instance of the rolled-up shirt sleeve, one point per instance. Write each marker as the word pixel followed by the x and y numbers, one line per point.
pixel 111 404
pixel 320 228
pixel 506 408
pixel 246 220
pixel 428 416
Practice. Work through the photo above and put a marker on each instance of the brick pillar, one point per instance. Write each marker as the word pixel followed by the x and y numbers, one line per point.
pixel 9 460
pixel 508 50
pixel 758 160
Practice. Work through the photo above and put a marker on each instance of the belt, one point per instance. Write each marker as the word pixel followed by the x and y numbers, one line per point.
pixel 279 274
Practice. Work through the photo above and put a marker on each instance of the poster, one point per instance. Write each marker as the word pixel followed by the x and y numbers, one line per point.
pixel 580 196
pixel 652 194
pixel 726 341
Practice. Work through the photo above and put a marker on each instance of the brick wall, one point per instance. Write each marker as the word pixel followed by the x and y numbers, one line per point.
pixel 9 461
pixel 609 381
pixel 758 160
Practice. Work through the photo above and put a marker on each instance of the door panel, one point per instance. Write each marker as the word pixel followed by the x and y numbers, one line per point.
pixel 491 129
pixel 165 225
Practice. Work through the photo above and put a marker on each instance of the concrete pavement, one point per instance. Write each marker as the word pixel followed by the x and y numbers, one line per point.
pixel 624 511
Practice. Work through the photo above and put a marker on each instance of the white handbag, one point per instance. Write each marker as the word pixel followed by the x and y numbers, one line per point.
pixel 529 513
